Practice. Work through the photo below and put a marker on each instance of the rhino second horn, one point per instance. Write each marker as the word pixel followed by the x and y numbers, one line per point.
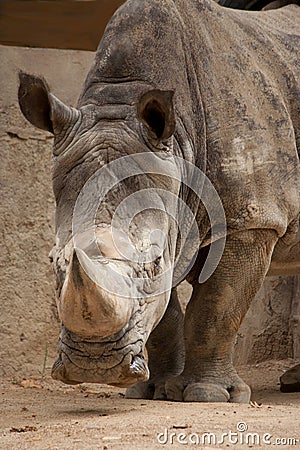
pixel 85 308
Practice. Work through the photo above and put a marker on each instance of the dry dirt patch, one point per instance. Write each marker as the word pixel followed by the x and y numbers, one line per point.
pixel 42 414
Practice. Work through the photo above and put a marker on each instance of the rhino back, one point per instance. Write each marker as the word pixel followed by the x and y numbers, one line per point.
pixel 250 85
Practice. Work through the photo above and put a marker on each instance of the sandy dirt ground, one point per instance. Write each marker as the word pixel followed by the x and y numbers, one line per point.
pixel 42 414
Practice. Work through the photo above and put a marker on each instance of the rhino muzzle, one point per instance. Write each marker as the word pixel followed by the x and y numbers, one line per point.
pixel 99 342
pixel 132 370
pixel 109 362
pixel 103 334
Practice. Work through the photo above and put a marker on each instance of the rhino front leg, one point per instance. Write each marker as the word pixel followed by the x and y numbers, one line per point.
pixel 213 317
pixel 165 348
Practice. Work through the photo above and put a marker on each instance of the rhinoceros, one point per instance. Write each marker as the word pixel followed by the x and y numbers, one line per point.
pixel 172 82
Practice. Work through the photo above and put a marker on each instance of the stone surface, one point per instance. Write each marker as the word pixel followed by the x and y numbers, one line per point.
pixel 271 328
pixel 290 380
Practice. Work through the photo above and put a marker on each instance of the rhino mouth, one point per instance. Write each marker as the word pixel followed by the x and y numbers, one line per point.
pixel 109 362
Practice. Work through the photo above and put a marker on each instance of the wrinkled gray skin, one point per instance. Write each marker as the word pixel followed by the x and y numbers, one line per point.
pixel 235 77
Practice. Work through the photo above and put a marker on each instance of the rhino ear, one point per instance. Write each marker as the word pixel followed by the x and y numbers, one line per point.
pixel 156 111
pixel 40 107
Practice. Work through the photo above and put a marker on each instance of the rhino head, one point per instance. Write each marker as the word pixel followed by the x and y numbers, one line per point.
pixel 111 282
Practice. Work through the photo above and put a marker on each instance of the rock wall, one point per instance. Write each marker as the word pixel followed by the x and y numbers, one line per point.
pixel 28 324
pixel 271 328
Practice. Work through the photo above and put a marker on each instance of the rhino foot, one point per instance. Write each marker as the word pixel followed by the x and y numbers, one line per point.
pixel 147 390
pixel 207 391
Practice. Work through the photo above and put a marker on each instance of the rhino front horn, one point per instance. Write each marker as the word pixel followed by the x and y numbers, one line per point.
pixel 85 308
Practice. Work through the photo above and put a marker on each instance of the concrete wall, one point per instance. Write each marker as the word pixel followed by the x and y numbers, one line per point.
pixel 28 321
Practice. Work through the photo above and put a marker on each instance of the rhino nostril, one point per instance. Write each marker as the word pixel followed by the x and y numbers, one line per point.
pixel 139 367
pixel 58 363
